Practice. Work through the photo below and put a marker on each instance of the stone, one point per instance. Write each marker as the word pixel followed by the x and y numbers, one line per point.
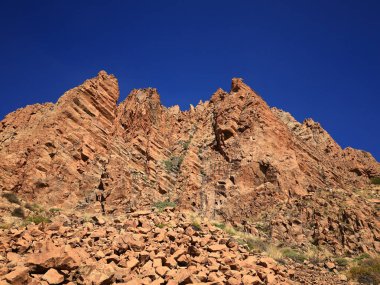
pixel 161 270
pixel 132 262
pixel 157 262
pixel 52 276
pixel 64 257
pixel 267 262
pixel 99 273
pixel 342 277
pixel 330 265
pixel 217 247
pixel 99 220
pixel 252 280
pixel 182 275
pixel 233 281
pixel 19 276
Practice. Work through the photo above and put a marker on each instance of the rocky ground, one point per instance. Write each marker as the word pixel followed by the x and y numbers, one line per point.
pixel 143 247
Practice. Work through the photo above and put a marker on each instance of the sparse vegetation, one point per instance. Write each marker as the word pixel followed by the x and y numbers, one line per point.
pixel 196 225
pixel 54 210
pixel 362 257
pixel 200 152
pixel 18 212
pixel 256 245
pixel 230 230
pixel 367 271
pixel 37 219
pixel 316 254
pixel 220 225
pixel 173 164
pixel 185 144
pixel 375 180
pixel 38 215
pixel 12 198
pixel 341 261
pixel 274 252
pixel 5 226
pixel 263 227
pixel 160 225
pixel 196 222
pixel 293 254
pixel 253 243
pixel 32 207
pixel 161 205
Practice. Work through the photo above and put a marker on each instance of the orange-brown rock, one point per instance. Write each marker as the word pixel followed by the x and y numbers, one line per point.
pixel 232 158
pixel 124 265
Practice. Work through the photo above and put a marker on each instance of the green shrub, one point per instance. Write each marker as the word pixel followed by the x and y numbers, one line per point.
pixel 173 164
pixel 230 230
pixel 341 261
pixel 54 210
pixel 263 227
pixel 220 226
pixel 367 271
pixel 362 256
pixel 185 144
pixel 160 225
pixel 12 198
pixel 18 212
pixel 32 207
pixel 375 180
pixel 37 219
pixel 196 225
pixel 256 245
pixel 161 205
pixel 293 254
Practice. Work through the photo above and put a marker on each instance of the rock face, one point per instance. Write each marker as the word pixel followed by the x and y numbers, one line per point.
pixel 232 158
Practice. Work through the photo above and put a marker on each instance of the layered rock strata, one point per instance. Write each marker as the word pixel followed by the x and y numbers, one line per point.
pixel 232 157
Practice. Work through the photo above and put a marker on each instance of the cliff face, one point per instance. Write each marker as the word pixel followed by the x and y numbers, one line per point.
pixel 232 157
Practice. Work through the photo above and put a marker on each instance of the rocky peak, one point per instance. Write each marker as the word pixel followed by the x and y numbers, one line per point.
pixel 237 84
pixel 101 89
pixel 218 96
pixel 145 95
pixel 232 157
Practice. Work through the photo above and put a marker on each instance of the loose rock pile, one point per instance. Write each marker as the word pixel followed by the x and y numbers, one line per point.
pixel 144 247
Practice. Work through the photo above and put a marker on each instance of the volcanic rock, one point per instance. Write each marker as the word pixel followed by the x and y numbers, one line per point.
pixel 232 158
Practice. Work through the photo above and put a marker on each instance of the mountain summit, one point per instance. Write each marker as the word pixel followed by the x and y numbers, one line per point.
pixel 232 158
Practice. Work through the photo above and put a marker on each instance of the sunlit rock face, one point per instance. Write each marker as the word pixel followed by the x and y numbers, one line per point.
pixel 232 157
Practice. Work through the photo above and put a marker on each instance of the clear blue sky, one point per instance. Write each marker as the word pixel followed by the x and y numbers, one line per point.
pixel 318 59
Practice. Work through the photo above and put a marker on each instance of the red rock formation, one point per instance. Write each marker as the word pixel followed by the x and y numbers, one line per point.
pixel 232 157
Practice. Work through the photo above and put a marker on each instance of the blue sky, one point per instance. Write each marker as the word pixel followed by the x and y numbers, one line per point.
pixel 318 59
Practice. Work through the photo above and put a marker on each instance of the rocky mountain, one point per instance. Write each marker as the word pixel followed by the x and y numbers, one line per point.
pixel 232 158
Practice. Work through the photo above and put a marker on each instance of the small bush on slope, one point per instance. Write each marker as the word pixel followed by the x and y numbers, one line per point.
pixel 12 198
pixel 18 212
pixel 367 271
pixel 293 254
pixel 37 219
pixel 161 205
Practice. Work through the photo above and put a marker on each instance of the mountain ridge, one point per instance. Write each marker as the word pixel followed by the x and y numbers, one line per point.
pixel 232 158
